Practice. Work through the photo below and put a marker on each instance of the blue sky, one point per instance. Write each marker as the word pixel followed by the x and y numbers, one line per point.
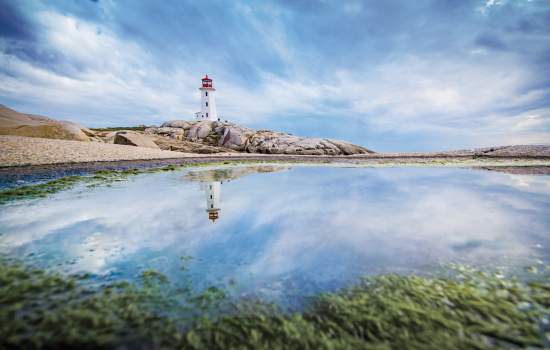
pixel 389 75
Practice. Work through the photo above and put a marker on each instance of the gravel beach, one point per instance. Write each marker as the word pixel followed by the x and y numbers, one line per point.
pixel 18 150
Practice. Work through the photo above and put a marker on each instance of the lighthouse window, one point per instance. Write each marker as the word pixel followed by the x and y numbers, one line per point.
pixel 210 196
pixel 206 114
pixel 206 93
pixel 206 104
pixel 211 206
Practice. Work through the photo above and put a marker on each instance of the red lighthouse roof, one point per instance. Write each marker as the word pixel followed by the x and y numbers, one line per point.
pixel 207 82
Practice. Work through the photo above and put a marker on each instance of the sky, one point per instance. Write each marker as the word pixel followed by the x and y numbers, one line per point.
pixel 389 75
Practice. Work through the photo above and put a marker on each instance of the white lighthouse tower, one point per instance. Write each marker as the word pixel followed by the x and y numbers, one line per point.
pixel 213 200
pixel 208 102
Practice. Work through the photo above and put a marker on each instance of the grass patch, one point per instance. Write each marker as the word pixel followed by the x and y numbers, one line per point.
pixel 475 311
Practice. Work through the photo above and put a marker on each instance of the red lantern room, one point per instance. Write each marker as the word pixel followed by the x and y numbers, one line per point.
pixel 206 82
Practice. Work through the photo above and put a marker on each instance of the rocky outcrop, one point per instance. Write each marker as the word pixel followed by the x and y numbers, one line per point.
pixel 514 151
pixel 20 124
pixel 242 139
pixel 234 137
pixel 169 132
pixel 281 143
pixel 173 144
pixel 183 124
pixel 133 138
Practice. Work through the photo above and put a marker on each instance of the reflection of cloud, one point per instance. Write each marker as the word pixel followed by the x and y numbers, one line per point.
pixel 147 217
pixel 410 224
pixel 310 224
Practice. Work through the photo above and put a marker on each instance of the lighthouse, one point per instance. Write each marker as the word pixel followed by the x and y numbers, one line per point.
pixel 208 102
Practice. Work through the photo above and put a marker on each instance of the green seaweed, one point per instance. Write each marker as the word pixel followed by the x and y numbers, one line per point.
pixel 39 190
pixel 40 310
pixel 98 178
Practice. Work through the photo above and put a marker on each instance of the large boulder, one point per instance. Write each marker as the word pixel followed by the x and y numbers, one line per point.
pixel 234 137
pixel 184 124
pixel 133 138
pixel 171 132
pixel 199 131
pixel 271 142
pixel 20 124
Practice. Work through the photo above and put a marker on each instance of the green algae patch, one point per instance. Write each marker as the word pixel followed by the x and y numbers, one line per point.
pixel 101 177
pixel 39 190
pixel 42 310
pixel 98 178
pixel 397 312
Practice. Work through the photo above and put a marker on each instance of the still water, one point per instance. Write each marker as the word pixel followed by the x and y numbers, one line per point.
pixel 284 233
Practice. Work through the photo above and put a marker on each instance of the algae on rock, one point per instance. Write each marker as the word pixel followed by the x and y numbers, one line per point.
pixel 42 310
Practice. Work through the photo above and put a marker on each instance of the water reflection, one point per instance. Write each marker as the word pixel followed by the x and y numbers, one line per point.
pixel 211 181
pixel 282 233
pixel 212 190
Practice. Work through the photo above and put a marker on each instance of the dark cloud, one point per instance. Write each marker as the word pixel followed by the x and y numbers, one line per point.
pixel 13 22
pixel 491 42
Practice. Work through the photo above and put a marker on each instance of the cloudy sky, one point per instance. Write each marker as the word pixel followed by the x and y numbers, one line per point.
pixel 390 75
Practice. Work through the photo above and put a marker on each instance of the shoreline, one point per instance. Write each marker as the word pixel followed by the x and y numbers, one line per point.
pixel 512 165
pixel 25 155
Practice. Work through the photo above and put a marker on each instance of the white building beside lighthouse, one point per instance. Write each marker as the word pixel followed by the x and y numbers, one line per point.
pixel 208 101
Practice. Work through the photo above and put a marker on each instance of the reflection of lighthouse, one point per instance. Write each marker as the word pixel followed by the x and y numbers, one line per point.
pixel 213 200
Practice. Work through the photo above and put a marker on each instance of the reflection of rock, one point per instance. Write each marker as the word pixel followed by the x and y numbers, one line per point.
pixel 519 170
pixel 231 173
pixel 211 181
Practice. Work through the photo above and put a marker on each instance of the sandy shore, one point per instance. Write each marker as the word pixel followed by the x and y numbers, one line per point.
pixel 18 152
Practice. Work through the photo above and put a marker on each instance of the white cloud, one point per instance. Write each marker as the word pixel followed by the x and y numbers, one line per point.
pixel 118 82
pixel 488 5
pixel 111 80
